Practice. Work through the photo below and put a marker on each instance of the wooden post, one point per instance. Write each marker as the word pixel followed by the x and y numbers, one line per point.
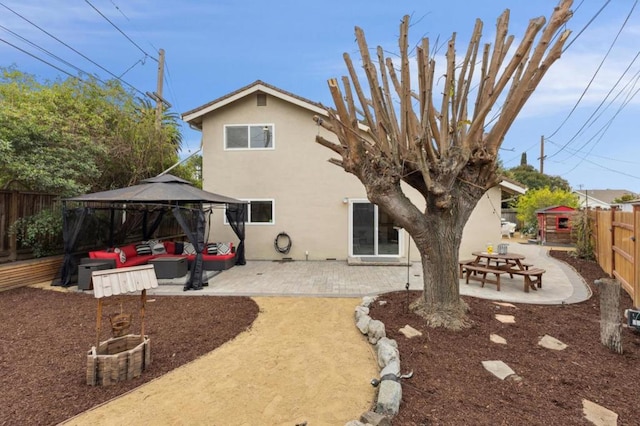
pixel 610 322
pixel 613 240
pixel 13 216
pixel 143 300
pixel 98 324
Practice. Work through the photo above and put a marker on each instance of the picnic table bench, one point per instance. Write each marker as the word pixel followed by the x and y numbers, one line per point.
pixel 532 277
pixel 481 268
pixel 480 272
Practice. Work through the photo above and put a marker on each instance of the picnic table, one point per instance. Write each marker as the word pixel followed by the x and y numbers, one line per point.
pixel 481 268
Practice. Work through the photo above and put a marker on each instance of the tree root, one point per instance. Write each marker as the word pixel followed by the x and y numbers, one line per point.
pixel 452 317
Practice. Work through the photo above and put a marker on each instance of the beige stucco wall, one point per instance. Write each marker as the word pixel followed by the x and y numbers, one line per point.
pixel 308 191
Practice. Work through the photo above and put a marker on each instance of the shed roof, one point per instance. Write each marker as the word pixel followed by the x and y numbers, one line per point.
pixel 558 208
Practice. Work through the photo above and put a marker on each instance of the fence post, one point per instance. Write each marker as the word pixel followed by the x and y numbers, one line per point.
pixel 636 255
pixel 13 217
pixel 612 230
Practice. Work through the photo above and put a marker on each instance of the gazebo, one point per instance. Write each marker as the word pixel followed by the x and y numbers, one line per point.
pixel 187 203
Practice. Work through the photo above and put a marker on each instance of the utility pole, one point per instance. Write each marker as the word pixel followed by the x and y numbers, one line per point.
pixel 159 89
pixel 542 154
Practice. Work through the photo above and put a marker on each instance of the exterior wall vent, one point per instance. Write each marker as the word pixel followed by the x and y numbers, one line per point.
pixel 261 99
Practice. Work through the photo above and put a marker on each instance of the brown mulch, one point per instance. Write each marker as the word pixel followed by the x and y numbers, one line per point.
pixel 450 387
pixel 45 336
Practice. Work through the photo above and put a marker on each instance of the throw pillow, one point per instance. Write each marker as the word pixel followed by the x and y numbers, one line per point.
pixel 151 243
pixel 212 248
pixel 178 248
pixel 158 249
pixel 224 248
pixel 123 257
pixel 188 248
pixel 143 249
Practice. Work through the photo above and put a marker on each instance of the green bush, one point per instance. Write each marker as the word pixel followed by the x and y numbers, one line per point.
pixel 42 232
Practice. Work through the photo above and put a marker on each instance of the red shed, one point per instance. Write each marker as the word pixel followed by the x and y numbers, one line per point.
pixel 554 224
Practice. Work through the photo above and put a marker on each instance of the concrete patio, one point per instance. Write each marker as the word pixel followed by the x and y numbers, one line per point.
pixel 560 283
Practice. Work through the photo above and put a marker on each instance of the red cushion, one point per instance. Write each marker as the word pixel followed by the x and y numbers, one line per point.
pixel 170 247
pixel 129 251
pixel 106 255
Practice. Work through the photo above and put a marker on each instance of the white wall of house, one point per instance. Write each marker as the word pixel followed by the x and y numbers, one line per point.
pixel 309 193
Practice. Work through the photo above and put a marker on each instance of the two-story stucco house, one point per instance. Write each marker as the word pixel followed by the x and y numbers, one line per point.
pixel 258 144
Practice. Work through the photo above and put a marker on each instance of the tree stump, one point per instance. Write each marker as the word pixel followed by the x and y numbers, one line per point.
pixel 610 325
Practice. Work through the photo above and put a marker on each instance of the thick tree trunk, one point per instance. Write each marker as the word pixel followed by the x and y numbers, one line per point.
pixel 437 234
pixel 440 303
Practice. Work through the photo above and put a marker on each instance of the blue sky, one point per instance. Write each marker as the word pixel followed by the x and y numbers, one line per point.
pixel 213 48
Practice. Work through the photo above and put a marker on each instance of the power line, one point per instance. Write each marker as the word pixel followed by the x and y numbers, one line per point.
pixel 39 59
pixel 584 92
pixel 74 50
pixel 121 32
pixel 69 64
pixel 590 121
pixel 587 25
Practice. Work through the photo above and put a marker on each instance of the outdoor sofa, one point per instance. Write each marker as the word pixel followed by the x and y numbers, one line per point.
pixel 141 253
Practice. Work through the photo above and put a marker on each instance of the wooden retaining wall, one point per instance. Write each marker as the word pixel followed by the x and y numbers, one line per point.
pixel 26 272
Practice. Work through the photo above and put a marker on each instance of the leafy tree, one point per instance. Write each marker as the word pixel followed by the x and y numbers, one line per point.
pixel 449 155
pixel 537 199
pixel 69 136
pixel 533 179
pixel 625 198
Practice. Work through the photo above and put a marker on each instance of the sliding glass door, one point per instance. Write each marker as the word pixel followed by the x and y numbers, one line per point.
pixel 372 231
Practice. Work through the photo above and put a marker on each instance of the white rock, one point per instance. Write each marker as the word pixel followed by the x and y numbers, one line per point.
pixel 506 319
pixel 498 369
pixel 504 304
pixel 598 415
pixel 409 331
pixel 498 339
pixel 551 343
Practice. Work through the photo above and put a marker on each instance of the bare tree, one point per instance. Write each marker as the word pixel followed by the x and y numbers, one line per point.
pixel 448 155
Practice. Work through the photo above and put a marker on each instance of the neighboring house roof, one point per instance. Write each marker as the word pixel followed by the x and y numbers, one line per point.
pixel 602 196
pixel 195 115
pixel 512 187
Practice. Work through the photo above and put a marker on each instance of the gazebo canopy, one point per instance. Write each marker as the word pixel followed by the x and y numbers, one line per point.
pixel 160 190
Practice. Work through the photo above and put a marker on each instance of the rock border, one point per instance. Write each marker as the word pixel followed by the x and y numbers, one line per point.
pixel 389 387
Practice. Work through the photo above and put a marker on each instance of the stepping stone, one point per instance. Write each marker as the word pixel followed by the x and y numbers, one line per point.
pixel 504 304
pixel 598 415
pixel 409 331
pixel 498 339
pixel 498 369
pixel 551 343
pixel 506 319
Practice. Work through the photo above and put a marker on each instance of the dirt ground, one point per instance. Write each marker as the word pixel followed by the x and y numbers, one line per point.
pixel 302 359
pixel 275 362
pixel 450 386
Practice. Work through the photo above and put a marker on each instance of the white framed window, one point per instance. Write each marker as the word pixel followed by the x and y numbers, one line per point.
pixel 260 211
pixel 248 136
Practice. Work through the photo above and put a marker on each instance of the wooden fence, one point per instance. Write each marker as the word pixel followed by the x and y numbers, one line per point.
pixel 13 206
pixel 617 250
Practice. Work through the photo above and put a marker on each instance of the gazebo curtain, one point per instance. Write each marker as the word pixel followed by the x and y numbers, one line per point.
pixel 71 225
pixel 193 226
pixel 236 216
